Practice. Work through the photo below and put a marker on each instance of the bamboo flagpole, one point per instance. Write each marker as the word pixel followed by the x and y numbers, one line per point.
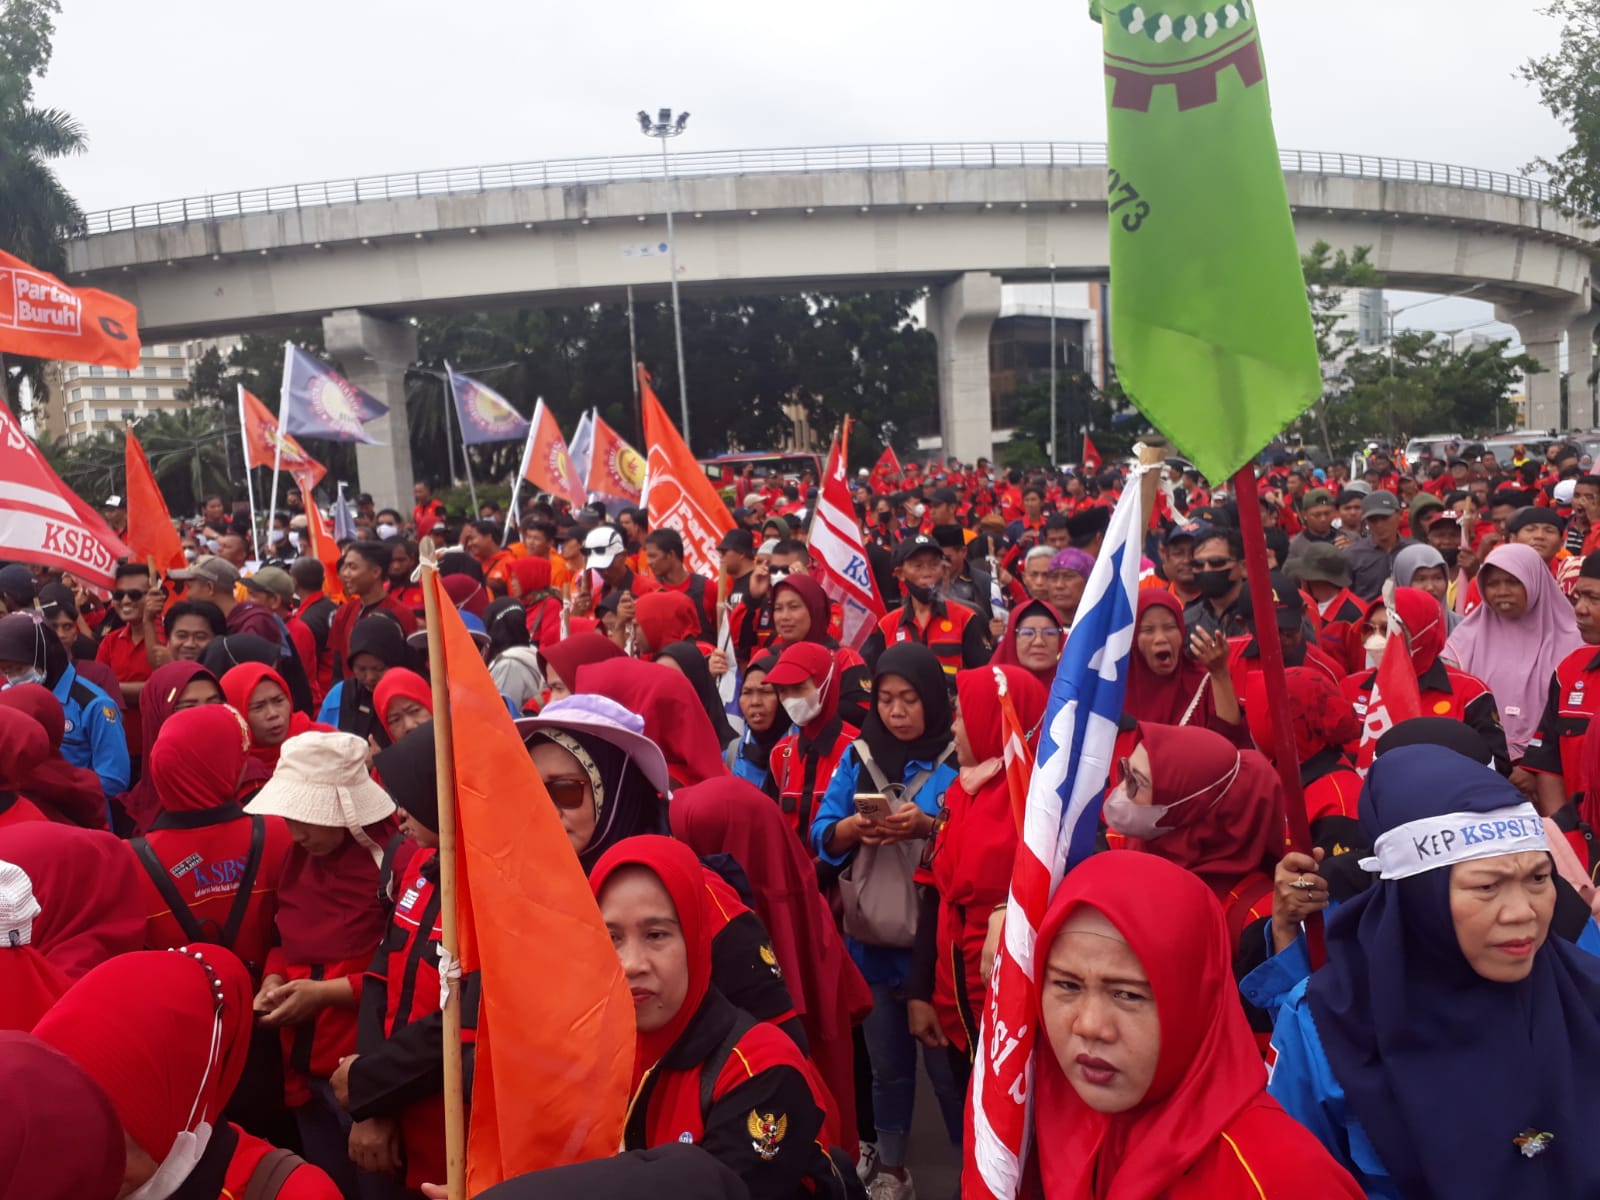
pixel 455 1131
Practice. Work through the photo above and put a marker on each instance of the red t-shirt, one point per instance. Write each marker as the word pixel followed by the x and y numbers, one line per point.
pixel 130 663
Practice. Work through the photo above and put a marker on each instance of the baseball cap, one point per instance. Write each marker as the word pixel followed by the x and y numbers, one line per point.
pixel 769 546
pixel 1564 491
pixel 1321 561
pixel 275 580
pixel 945 495
pixel 602 546
pixel 112 502
pixel 912 546
pixel 740 540
pixel 1287 602
pixel 1359 485
pixel 1421 503
pixel 16 580
pixel 1193 530
pixel 1316 496
pixel 218 571
pixel 1380 504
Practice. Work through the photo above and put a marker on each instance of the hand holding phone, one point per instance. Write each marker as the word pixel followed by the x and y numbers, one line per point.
pixel 874 807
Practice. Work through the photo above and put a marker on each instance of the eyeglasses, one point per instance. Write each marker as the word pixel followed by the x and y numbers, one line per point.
pixel 128 594
pixel 1052 634
pixel 1213 564
pixel 566 793
pixel 1131 783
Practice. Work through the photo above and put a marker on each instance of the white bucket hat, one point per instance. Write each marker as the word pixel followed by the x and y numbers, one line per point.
pixel 603 718
pixel 321 779
pixel 18 907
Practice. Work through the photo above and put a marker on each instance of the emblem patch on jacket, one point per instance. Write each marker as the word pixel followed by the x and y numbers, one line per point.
pixel 765 1133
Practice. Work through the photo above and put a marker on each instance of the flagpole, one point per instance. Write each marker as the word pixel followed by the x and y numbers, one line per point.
pixel 249 483
pixel 1287 757
pixel 449 441
pixel 443 748
pixel 633 360
pixel 277 443
pixel 522 471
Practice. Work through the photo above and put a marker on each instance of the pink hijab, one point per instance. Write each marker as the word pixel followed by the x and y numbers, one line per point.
pixel 1517 658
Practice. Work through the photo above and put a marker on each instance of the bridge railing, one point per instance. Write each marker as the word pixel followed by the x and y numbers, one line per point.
pixel 801 159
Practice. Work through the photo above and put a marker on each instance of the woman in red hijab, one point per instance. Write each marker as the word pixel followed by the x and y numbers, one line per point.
pixel 165 1036
pixel 808 684
pixel 811 621
pixel 403 700
pixel 261 696
pixel 87 887
pixel 664 618
pixel 562 660
pixel 529 581
pixel 171 688
pixel 1168 685
pixel 729 816
pixel 974 851
pixel 766 1117
pixel 23 746
pixel 66 1142
pixel 1035 635
pixel 674 718
pixel 1147 1083
pixel 60 790
pixel 29 984
pixel 1193 798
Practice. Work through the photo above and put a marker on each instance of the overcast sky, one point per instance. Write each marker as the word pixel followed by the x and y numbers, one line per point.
pixel 183 98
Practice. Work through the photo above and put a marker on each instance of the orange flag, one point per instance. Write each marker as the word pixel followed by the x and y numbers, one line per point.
pixel 261 438
pixel 43 317
pixel 555 1036
pixel 151 535
pixel 320 541
pixel 677 493
pixel 615 468
pixel 545 461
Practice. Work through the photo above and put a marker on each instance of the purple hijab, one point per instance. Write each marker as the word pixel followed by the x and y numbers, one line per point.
pixel 1517 658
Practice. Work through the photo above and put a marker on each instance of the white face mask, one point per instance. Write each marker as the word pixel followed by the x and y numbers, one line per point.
pixel 916 510
pixel 31 675
pixel 805 709
pixel 1374 647
pixel 1142 821
pixel 387 530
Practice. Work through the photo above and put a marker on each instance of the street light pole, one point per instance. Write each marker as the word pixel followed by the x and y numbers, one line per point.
pixel 663 128
pixel 1055 458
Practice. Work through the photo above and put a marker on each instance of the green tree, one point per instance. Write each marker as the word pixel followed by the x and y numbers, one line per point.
pixel 36 212
pixel 1329 274
pixel 1420 381
pixel 1080 406
pixel 1565 80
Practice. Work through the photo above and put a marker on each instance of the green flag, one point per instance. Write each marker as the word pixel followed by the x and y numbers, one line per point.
pixel 1210 327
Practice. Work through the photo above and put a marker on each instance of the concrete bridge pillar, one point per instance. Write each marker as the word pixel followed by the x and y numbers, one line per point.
pixel 960 315
pixel 1581 406
pixel 374 354
pixel 1542 328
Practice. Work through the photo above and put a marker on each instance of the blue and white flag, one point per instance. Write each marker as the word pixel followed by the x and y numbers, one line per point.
pixel 344 516
pixel 317 401
pixel 485 415
pixel 1059 826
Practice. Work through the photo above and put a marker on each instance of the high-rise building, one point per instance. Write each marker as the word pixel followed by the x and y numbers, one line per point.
pixel 85 400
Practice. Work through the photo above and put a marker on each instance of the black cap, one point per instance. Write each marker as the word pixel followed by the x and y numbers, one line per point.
pixel 1531 515
pixel 1287 601
pixel 945 495
pixel 741 540
pixel 951 537
pixel 910 546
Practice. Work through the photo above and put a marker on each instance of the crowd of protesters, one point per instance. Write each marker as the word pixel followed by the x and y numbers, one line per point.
pixel 219 878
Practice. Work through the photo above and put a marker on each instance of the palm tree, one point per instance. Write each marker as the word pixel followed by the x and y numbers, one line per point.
pixel 188 452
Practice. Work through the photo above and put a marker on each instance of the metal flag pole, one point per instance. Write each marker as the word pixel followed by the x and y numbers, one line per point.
pixel 633 362
pixel 249 483
pixel 277 442
pixel 522 471
pixel 466 457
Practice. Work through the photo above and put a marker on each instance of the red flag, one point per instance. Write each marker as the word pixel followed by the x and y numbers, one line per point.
pixel 838 557
pixel 615 468
pixel 261 438
pixel 42 317
pixel 151 536
pixel 888 466
pixel 42 520
pixel 320 540
pixel 545 461
pixel 1090 454
pixel 1394 697
pixel 554 1047
pixel 677 492
pixel 1018 757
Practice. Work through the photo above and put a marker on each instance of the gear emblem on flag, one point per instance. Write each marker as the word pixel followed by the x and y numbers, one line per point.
pixel 1192 76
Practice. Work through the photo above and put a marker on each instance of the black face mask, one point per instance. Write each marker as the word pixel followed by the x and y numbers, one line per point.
pixel 1450 556
pixel 922 595
pixel 1213 583
pixel 885 517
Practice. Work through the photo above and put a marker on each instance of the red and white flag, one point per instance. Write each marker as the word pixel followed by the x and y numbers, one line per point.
pixel 1394 696
pixel 44 521
pixel 839 559
pixel 677 493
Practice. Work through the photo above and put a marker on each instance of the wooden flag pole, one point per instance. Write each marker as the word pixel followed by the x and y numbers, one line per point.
pixel 1247 498
pixel 455 1131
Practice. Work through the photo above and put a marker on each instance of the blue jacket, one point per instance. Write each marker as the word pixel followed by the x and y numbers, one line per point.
pixel 879 964
pixel 95 737
pixel 742 767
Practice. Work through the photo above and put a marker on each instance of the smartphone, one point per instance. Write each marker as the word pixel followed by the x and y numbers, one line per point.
pixel 874 806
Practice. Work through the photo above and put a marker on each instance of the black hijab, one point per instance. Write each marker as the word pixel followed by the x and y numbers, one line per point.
pixel 222 654
pixel 380 636
pixel 692 663
pixel 756 747
pixel 919 667
pixel 626 803
pixel 409 769
pixel 506 622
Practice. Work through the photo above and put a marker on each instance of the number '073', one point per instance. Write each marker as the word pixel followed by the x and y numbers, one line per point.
pixel 1123 197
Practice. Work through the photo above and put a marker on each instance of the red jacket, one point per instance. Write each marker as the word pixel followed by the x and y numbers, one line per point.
pixel 801 771
pixel 1574 698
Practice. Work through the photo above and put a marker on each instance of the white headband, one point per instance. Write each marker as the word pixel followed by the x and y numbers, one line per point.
pixel 1434 842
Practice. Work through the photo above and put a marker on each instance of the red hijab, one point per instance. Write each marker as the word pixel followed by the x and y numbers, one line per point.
pixel 23 746
pixel 680 873
pixel 530 576
pixel 66 1140
pixel 1209 1071
pixel 1165 699
pixel 666 617
pixel 467 594
pixel 1005 653
pixel 198 760
pixel 581 649
pixel 399 682
pixel 674 718
pixel 87 886
pixel 160 693
pixel 240 684
pixel 1320 714
pixel 1231 821
pixel 816 602
pixel 142 1026
pixel 74 793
